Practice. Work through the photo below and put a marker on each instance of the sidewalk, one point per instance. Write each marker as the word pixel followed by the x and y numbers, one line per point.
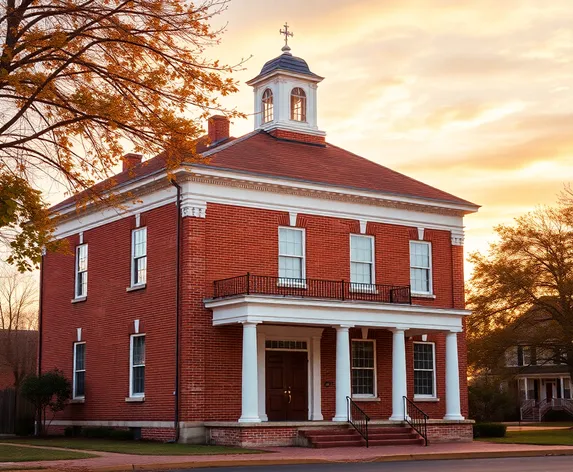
pixel 113 462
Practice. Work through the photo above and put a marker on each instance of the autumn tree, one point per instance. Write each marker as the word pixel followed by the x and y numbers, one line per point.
pixel 80 80
pixel 18 324
pixel 521 291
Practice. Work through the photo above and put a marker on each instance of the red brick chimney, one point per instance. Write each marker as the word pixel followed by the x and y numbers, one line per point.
pixel 130 160
pixel 218 128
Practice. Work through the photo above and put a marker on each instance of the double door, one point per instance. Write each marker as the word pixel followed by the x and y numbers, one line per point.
pixel 287 385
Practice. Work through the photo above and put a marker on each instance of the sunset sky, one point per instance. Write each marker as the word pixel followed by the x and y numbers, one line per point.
pixel 473 97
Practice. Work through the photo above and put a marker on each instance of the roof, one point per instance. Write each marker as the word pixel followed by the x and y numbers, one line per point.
pixel 259 153
pixel 286 62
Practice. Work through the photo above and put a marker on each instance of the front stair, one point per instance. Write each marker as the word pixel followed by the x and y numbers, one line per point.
pixel 349 437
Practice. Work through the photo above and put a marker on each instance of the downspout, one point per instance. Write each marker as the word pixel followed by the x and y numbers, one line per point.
pixel 177 309
pixel 38 421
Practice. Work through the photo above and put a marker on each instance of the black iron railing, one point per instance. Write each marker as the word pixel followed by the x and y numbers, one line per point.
pixel 250 284
pixel 416 418
pixel 357 418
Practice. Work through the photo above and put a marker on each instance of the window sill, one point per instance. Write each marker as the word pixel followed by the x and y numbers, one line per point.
pixel 365 399
pixel 79 299
pixel 133 288
pixel 363 288
pixel 78 400
pixel 423 295
pixel 426 399
pixel 291 284
pixel 134 399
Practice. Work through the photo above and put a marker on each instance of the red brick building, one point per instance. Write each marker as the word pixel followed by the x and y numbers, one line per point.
pixel 305 279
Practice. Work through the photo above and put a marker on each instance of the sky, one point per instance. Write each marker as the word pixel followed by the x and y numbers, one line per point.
pixel 473 97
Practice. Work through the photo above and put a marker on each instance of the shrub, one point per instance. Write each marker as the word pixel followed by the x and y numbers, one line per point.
pixel 489 430
pixel 122 434
pixel 97 432
pixel 489 403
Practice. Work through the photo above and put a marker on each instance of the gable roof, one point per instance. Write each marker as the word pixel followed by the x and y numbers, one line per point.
pixel 259 153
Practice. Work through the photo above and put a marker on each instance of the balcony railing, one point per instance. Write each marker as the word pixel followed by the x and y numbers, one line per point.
pixel 250 284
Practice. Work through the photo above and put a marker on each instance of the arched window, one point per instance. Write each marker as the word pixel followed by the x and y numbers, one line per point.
pixel 267 106
pixel 298 104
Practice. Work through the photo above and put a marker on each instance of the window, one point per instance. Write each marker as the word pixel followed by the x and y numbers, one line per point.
pixel 361 260
pixel 363 368
pixel 421 267
pixel 137 366
pixel 511 357
pixel 298 104
pixel 81 271
pixel 267 106
pixel 139 256
pixel 79 380
pixel 566 388
pixel 523 355
pixel 291 254
pixel 424 370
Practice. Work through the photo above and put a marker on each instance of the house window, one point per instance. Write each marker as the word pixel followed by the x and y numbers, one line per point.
pixel 291 253
pixel 267 106
pixel 523 355
pixel 363 368
pixel 79 380
pixel 424 370
pixel 511 357
pixel 139 256
pixel 361 260
pixel 81 271
pixel 421 267
pixel 137 366
pixel 298 104
pixel 566 388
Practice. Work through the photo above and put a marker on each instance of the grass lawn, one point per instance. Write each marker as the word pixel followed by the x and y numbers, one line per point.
pixel 133 447
pixel 9 453
pixel 561 437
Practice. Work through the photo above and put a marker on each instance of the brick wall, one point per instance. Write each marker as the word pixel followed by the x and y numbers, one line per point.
pixel 254 437
pixel 450 432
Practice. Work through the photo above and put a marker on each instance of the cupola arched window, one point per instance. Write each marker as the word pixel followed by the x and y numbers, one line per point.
pixel 267 106
pixel 298 104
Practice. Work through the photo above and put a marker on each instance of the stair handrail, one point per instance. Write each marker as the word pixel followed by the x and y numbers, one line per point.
pixel 418 420
pixel 544 406
pixel 526 407
pixel 357 418
pixel 568 405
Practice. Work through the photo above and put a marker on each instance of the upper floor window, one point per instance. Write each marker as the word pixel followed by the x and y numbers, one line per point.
pixel 363 368
pixel 291 253
pixel 267 106
pixel 298 104
pixel 421 267
pixel 79 380
pixel 424 370
pixel 361 260
pixel 81 289
pixel 139 256
pixel 137 366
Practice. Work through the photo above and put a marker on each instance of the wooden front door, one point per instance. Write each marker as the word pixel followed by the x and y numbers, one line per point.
pixel 287 385
pixel 549 390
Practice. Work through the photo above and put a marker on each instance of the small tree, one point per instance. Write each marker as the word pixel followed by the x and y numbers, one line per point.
pixel 48 391
pixel 488 402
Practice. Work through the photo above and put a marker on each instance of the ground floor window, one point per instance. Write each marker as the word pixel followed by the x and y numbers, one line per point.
pixel 79 370
pixel 363 368
pixel 566 388
pixel 424 370
pixel 137 366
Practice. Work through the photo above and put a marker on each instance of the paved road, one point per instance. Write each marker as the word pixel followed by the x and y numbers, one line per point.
pixel 526 464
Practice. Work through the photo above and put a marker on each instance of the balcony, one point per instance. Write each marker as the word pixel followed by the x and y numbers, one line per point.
pixel 250 284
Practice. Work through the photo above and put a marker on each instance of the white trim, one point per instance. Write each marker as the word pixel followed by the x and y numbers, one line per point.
pixel 430 268
pixel 74 371
pixel 457 237
pixel 360 286
pixel 131 366
pixel 137 220
pixel 435 394
pixel 364 333
pixel 420 234
pixel 363 224
pixel 83 295
pixel 292 217
pixel 375 369
pixel 78 334
pixel 136 326
pixel 289 282
pixel 81 236
pixel 133 283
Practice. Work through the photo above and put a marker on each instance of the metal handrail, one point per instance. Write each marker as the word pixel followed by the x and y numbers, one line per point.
pixel 357 418
pixel 250 284
pixel 417 419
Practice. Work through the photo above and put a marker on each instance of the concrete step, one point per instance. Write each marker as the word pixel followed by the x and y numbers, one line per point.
pixel 396 442
pixel 392 436
pixel 325 444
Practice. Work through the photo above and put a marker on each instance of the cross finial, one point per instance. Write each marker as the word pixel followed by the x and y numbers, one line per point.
pixel 287 33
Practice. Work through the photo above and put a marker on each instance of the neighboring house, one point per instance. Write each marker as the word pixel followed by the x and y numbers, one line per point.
pixel 307 275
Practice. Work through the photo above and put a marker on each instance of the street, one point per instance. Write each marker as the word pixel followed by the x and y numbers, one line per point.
pixel 525 464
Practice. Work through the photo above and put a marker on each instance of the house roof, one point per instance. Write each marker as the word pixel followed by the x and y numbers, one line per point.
pixel 286 62
pixel 259 153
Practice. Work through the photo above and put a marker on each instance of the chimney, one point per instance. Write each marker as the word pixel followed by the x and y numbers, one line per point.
pixel 218 128
pixel 130 160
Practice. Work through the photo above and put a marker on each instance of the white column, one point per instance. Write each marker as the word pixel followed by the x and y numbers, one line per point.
pixel 316 412
pixel 261 362
pixel 399 389
pixel 342 372
pixel 561 387
pixel 249 393
pixel 453 409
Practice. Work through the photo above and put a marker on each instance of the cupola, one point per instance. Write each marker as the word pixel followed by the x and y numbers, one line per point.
pixel 286 95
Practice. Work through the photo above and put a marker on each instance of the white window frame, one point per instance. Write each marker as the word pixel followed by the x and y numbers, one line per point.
pixel 435 394
pixel 359 286
pixel 303 107
pixel 131 366
pixel 430 268
pixel 134 283
pixel 285 281
pixel 75 396
pixel 375 369
pixel 77 271
pixel 268 105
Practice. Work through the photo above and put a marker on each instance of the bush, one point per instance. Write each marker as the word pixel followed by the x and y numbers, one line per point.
pixel 488 403
pixel 489 430
pixel 122 434
pixel 97 432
